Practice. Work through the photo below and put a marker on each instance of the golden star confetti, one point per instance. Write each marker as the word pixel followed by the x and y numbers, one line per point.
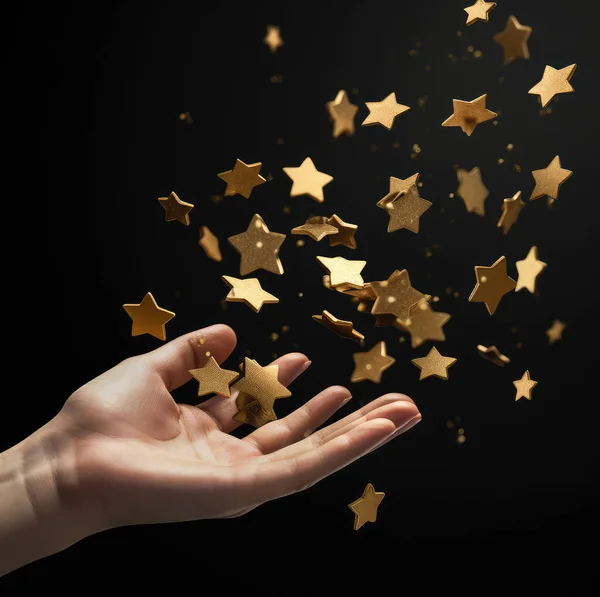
pixel 242 179
pixel 553 82
pixel 511 208
pixel 316 227
pixel 250 411
pixel 395 295
pixel 493 355
pixel 343 272
pixel 424 323
pixel 213 379
pixel 176 209
pixel 344 329
pixel 549 179
pixel 492 284
pixel 524 386
pixel 210 243
pixel 514 40
pixel 248 291
pixel 307 180
pixel 365 507
pixel 258 247
pixel 148 318
pixel 479 11
pixel 384 112
pixel 467 115
pixel 342 112
pixel 529 269
pixel 273 38
pixel 406 209
pixel 371 364
pixel 434 364
pixel 345 234
pixel 472 190
pixel 554 333
pixel 397 186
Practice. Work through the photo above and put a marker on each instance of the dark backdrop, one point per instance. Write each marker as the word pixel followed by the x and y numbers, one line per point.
pixel 111 80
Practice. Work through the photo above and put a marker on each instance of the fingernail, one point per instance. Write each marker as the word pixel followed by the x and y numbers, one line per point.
pixel 305 366
pixel 412 423
pixel 346 400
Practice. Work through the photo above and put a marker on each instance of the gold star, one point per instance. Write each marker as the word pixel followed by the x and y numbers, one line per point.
pixel 510 211
pixel 345 234
pixel 492 284
pixel 148 318
pixel 273 38
pixel 395 295
pixel 242 179
pixel 316 227
pixel 176 209
pixel 553 82
pixel 261 383
pixel 213 379
pixel 307 180
pixel 343 272
pixel 479 11
pixel 406 210
pixel 514 40
pixel 251 412
pixel 472 190
pixel 548 180
pixel 371 364
pixel 384 112
pixel 554 333
pixel 529 269
pixel 492 354
pixel 397 186
pixel 344 329
pixel 248 291
pixel 524 386
pixel 434 364
pixel 467 115
pixel 342 112
pixel 258 247
pixel 210 243
pixel 424 323
pixel 365 507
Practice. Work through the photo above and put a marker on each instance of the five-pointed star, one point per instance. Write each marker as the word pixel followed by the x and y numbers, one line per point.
pixel 553 82
pixel 549 179
pixel 213 379
pixel 261 383
pixel 492 284
pixel 524 386
pixel 316 227
pixel 397 186
pixel 258 247
pixel 514 40
pixel 467 115
pixel 344 329
pixel 342 112
pixel 384 112
pixel 365 507
pixel 273 38
pixel 529 269
pixel 345 234
pixel 406 210
pixel 554 333
pixel 250 411
pixel 510 211
pixel 434 364
pixel 479 11
pixel 343 272
pixel 210 243
pixel 176 209
pixel 371 364
pixel 248 291
pixel 424 323
pixel 395 295
pixel 307 180
pixel 148 317
pixel 472 190
pixel 492 354
pixel 242 179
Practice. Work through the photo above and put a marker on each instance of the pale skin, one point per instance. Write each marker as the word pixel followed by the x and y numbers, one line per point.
pixel 121 451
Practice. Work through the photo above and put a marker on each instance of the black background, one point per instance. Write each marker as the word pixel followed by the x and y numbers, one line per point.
pixel 111 80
